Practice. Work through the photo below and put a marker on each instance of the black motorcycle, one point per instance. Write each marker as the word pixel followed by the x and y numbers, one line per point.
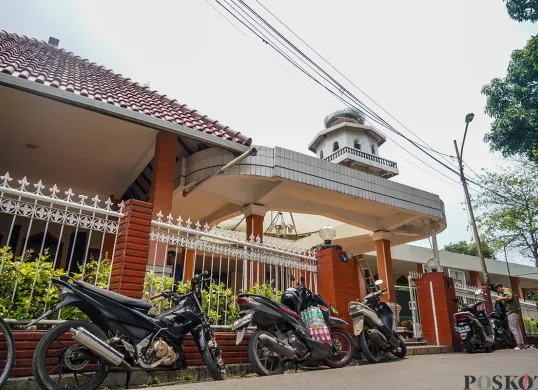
pixel 298 329
pixel 121 336
pixel 504 339
pixel 474 327
pixel 374 324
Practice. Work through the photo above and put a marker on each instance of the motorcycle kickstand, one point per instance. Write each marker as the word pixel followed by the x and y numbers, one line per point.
pixel 127 379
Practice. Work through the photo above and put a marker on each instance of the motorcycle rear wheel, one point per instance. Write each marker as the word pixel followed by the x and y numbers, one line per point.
pixel 261 363
pixel 6 364
pixel 369 348
pixel 45 377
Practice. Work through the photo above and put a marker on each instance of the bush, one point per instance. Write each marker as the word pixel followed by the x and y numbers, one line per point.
pixel 531 325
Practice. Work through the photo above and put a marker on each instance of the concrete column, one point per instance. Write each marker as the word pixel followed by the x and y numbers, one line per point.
pixel 475 279
pixel 162 184
pixel 384 265
pixel 131 253
pixel 254 215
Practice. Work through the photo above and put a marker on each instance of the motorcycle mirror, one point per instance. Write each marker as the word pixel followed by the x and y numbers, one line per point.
pixel 378 282
pixel 292 278
pixel 478 291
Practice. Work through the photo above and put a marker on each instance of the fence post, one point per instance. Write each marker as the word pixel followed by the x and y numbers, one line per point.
pixel 435 292
pixel 132 247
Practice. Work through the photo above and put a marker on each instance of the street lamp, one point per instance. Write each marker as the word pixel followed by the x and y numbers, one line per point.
pixel 327 234
pixel 486 288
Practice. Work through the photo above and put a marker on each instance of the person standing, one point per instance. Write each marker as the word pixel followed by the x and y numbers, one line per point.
pixel 513 311
pixel 177 269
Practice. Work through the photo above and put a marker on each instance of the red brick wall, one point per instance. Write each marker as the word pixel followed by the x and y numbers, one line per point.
pixel 26 343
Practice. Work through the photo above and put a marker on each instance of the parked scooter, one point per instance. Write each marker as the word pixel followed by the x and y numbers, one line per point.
pixel 121 336
pixel 374 324
pixel 504 339
pixel 298 329
pixel 474 327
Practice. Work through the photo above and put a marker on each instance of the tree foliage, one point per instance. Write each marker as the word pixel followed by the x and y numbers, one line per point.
pixel 512 102
pixel 523 10
pixel 508 214
pixel 471 249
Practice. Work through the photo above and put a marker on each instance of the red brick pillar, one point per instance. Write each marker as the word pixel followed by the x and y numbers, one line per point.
pixel 363 288
pixel 516 287
pixel 475 279
pixel 338 282
pixel 420 268
pixel 254 215
pixel 131 252
pixel 435 293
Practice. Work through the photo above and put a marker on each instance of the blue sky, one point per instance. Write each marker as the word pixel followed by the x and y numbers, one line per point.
pixel 424 64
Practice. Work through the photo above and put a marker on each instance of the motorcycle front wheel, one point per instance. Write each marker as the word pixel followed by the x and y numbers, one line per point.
pixel 212 357
pixel 369 348
pixel 260 358
pixel 344 344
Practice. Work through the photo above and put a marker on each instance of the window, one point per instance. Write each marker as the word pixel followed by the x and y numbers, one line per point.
pixel 357 144
pixel 321 154
pixel 373 148
pixel 335 146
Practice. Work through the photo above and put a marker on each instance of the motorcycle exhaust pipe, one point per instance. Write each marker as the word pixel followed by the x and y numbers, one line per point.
pixel 99 347
pixel 277 346
pixel 377 336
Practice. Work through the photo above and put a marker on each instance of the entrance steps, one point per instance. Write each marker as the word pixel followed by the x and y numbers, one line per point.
pixel 428 349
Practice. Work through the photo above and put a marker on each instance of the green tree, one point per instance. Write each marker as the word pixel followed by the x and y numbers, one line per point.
pixel 512 102
pixel 471 249
pixel 523 10
pixel 508 212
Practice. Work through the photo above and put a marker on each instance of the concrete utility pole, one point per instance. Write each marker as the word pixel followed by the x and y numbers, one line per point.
pixel 486 288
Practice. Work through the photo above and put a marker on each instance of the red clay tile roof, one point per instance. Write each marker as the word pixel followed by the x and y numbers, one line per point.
pixel 42 63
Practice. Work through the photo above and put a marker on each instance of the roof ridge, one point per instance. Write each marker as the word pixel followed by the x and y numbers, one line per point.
pixel 234 135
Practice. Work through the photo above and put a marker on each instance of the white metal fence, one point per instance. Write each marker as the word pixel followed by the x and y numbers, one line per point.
pixel 413 304
pixel 45 233
pixel 236 262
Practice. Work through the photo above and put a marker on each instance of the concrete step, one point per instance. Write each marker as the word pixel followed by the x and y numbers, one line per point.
pixel 428 349
pixel 411 343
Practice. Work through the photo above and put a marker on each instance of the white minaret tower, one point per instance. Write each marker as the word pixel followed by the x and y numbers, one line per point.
pixel 348 141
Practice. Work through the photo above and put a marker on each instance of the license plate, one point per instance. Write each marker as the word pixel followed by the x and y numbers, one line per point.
pixel 463 329
pixel 242 322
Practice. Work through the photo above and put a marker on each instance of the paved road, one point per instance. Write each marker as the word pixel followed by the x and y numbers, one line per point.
pixel 422 372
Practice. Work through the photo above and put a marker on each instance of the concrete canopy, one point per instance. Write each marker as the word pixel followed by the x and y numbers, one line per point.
pixel 282 180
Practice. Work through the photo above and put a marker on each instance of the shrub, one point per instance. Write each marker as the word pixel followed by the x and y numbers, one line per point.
pixel 531 325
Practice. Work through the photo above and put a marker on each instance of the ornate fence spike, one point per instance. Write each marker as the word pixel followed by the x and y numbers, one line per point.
pixel 170 219
pixel 197 225
pixel 82 199
pixel 122 207
pixel 5 180
pixel 108 204
pixel 96 201
pixel 38 187
pixel 24 183
pixel 54 191
pixel 69 195
pixel 160 217
pixel 180 221
pixel 189 224
pixel 206 227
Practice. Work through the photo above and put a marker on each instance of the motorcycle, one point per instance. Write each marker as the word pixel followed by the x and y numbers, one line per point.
pixel 121 336
pixel 375 326
pixel 299 329
pixel 504 339
pixel 474 327
pixel 8 359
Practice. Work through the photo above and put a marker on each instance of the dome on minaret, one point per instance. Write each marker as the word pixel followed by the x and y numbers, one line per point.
pixel 341 116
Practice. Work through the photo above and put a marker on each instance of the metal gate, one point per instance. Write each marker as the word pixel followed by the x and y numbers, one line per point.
pixel 413 305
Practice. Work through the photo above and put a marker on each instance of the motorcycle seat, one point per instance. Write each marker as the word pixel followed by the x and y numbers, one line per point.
pixel 137 303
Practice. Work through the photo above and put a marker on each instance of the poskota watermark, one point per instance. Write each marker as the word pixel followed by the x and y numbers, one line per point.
pixel 501 382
